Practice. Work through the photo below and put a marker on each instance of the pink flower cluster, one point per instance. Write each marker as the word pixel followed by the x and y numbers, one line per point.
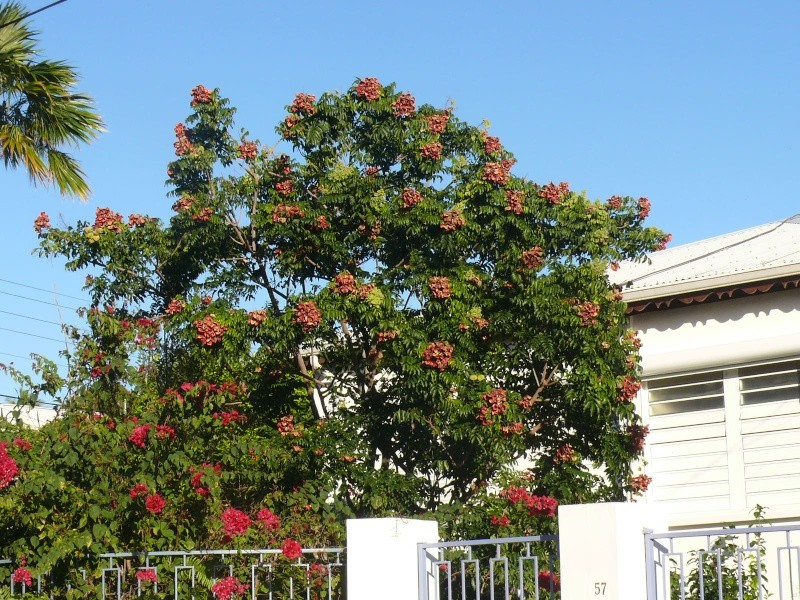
pixel 291 549
pixel 547 579
pixel 209 330
pixel 228 417
pixel 640 483
pixel 532 258
pixel 498 172
pixel 228 587
pixel 183 203
pixel 514 201
pixel 286 426
pixel 437 355
pixel 554 193
pixel 147 575
pixel 198 475
pixel 643 205
pixel 614 202
pixel 491 144
pixel 564 454
pixel 344 283
pixel 369 89
pixel 411 198
pixel 41 222
pixel 138 436
pixel 307 315
pixel 8 467
pixel 154 503
pixel 500 521
pixel 201 95
pixel 234 522
pixel 637 434
pixel 303 104
pixel 628 389
pixel 538 506
pixel 105 218
pixel 431 151
pixel 285 188
pixel 321 224
pixel 248 150
pixel 440 287
pixel 268 519
pixel 23 576
pixel 588 312
pixel 452 220
pixel 140 489
pixel 496 404
pixel 662 243
pixel 182 143
pixel 404 106
pixel 385 336
pixel 437 123
pixel 283 212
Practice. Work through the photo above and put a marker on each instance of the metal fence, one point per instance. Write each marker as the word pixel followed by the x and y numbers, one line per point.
pixel 518 567
pixel 255 573
pixel 742 563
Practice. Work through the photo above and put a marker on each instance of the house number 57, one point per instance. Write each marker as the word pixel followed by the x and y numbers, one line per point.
pixel 599 588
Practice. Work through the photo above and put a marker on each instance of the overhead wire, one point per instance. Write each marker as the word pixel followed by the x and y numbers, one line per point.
pixel 31 13
pixel 38 289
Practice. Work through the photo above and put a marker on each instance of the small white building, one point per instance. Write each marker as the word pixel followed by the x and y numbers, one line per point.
pixel 719 322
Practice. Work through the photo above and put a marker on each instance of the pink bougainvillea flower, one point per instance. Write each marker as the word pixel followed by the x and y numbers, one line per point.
pixel 41 222
pixel 147 575
pixel 138 436
pixel 234 522
pixel 268 519
pixel 154 503
pixel 228 587
pixel 291 549
pixel 23 576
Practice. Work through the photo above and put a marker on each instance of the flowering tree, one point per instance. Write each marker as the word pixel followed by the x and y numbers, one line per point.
pixel 381 319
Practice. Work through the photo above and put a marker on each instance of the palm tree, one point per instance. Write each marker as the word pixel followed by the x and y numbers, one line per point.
pixel 39 113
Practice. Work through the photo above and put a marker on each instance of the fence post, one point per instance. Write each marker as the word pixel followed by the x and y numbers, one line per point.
pixel 382 557
pixel 602 550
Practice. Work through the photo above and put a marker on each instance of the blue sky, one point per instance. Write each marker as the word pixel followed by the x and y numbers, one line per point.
pixel 692 104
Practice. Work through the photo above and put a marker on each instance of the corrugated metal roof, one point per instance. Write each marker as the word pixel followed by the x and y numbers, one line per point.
pixel 750 255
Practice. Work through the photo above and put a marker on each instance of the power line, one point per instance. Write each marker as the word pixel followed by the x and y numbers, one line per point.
pixel 27 317
pixel 31 334
pixel 37 300
pixel 38 289
pixel 30 357
pixel 30 14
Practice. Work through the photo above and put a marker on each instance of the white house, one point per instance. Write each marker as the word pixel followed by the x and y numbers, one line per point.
pixel 719 322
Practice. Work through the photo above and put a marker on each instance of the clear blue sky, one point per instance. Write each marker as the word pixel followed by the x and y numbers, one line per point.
pixel 695 105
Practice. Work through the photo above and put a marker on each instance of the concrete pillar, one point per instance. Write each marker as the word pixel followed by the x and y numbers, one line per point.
pixel 382 557
pixel 602 550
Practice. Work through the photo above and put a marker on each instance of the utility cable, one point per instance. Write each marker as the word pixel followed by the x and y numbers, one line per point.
pixel 36 300
pixel 38 289
pixel 30 14
pixel 7 312
pixel 31 334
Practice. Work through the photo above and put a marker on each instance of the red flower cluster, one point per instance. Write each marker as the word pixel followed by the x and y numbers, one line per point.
pixel 175 306
pixel 164 432
pixel 385 336
pixel 440 287
pixel 532 258
pixel 147 574
pixel 135 220
pixel 204 216
pixel 431 151
pixel 501 521
pixel 268 519
pixel 8 467
pixel 256 317
pixel 291 549
pixel 321 223
pixel 513 429
pixel 248 150
pixel 183 203
pixel 22 444
pixel 644 207
pixel 201 95
pixel 628 389
pixel 154 504
pixel 105 218
pixel 491 144
pixel 41 222
pixel 344 283
pixel 228 587
pixel 234 522
pixel 371 171
pixel 198 474
pixel 283 212
pixel 232 416
pixel 307 315
pixel 662 243
pixel 498 172
pixel 564 454
pixel 303 104
pixel 638 433
pixel 437 123
pixel 588 312
pixel 538 506
pixel 640 483
pixel 514 201
pixel 209 330
pixel 553 193
pixel 452 220
pixel 138 436
pixel 289 122
pixel 547 579
pixel 404 106
pixel 182 143
pixel 496 404
pixel 633 339
pixel 411 198
pixel 286 426
pixel 369 89
pixel 285 187
pixel 23 576
pixel 437 355
pixel 140 489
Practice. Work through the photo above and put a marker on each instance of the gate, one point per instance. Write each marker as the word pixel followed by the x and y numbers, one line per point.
pixel 735 563
pixel 497 568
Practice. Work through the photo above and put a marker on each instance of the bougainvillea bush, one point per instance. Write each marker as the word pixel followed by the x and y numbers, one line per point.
pixel 371 316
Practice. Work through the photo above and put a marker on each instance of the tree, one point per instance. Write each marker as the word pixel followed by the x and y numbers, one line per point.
pixel 40 114
pixel 387 317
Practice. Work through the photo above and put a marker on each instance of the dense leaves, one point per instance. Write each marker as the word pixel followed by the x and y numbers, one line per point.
pixel 382 319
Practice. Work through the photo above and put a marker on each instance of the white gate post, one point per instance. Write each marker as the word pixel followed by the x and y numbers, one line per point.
pixel 382 557
pixel 602 550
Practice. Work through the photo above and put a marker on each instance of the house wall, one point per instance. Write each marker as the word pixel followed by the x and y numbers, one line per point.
pixel 713 465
